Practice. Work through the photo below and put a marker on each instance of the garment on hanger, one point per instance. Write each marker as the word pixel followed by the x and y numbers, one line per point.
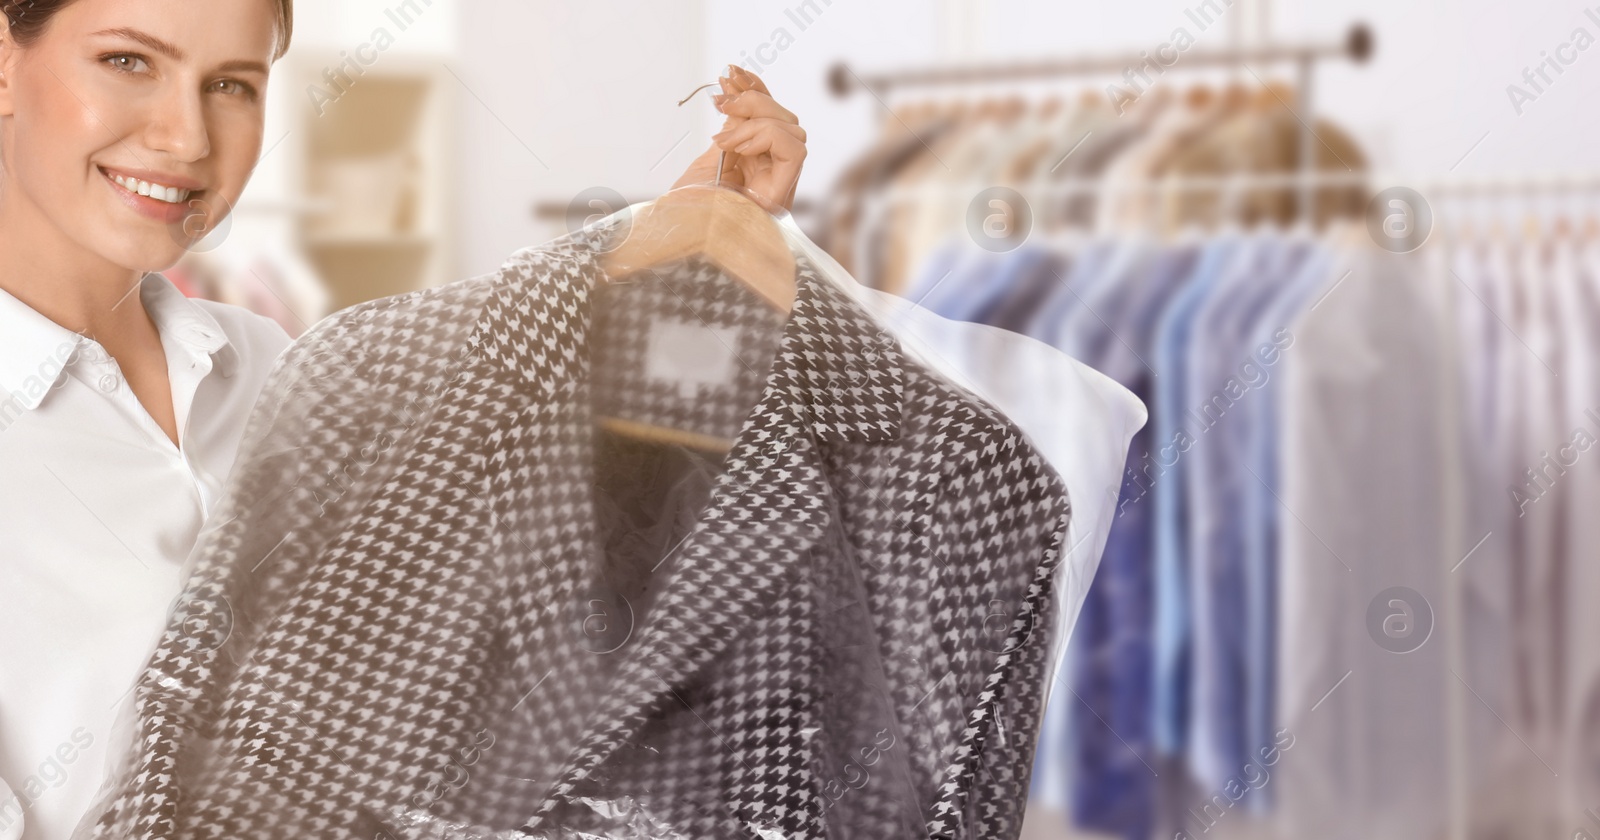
pixel 439 601
pixel 898 145
pixel 1224 374
pixel 1082 424
pixel 1579 292
pixel 1372 345
pixel 1425 418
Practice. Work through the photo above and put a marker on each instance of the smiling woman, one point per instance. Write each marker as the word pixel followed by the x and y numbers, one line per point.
pixel 190 92
pixel 128 129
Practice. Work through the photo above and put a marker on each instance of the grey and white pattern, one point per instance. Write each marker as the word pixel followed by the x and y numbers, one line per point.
pixel 838 629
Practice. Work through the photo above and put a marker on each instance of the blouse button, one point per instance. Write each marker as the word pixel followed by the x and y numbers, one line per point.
pixel 108 382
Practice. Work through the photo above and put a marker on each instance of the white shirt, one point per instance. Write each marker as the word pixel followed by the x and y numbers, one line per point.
pixel 1367 453
pixel 99 510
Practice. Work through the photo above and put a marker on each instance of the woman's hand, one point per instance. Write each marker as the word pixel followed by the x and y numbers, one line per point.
pixel 765 144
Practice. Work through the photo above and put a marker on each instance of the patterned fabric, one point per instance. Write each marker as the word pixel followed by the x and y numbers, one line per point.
pixel 439 601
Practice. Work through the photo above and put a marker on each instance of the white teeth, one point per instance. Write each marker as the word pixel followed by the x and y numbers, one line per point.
pixel 171 195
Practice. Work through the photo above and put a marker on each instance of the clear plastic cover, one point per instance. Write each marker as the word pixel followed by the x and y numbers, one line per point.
pixel 549 553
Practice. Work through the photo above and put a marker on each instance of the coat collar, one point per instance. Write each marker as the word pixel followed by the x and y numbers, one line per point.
pixel 835 377
pixel 839 369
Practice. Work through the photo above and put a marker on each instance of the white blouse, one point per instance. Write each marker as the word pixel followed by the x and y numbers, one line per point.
pixel 98 512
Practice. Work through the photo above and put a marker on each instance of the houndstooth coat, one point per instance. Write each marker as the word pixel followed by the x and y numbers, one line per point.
pixel 439 601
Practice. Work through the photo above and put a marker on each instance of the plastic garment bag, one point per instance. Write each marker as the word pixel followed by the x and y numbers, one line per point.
pixel 484 569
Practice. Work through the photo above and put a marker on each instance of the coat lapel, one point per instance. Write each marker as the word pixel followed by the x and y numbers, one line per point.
pixel 835 377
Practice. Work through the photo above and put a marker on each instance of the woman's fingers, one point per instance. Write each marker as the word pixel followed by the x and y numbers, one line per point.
pixel 770 162
pixel 733 137
pixel 752 81
pixel 752 104
pixel 764 144
pixel 732 87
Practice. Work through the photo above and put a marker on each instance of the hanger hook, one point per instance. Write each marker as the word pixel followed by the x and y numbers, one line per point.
pixel 695 91
pixel 721 155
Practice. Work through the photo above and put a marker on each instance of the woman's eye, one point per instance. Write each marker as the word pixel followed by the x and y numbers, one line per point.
pixel 236 87
pixel 133 63
pixel 124 62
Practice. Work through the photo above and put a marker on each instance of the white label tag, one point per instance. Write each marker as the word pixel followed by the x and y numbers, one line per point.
pixel 691 355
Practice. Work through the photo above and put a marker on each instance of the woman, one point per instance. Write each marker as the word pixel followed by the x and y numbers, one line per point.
pixel 128 128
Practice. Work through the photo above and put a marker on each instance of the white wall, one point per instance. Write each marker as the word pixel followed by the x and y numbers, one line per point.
pixel 1435 87
pixel 1438 83
pixel 567 96
pixel 591 88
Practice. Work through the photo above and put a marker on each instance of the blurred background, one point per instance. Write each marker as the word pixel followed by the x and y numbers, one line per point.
pixel 1346 252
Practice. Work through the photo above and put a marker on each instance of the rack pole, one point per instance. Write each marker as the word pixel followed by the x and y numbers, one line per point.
pixel 842 80
pixel 1308 151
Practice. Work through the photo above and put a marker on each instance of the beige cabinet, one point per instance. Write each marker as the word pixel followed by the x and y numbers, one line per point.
pixel 371 149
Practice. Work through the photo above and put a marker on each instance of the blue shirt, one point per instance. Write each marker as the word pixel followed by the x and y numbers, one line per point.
pixel 1224 372
pixel 936 279
pixel 1171 638
pixel 1262 511
pixel 1086 272
pixel 1113 787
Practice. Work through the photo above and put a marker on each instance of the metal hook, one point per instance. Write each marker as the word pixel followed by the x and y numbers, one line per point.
pixel 695 91
pixel 722 155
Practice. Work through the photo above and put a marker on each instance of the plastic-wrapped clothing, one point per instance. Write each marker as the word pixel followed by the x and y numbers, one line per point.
pixel 452 592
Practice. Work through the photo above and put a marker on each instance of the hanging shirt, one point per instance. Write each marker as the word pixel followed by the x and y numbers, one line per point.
pixel 100 510
pixel 1113 784
pixel 1174 436
pixel 1263 515
pixel 1578 282
pixel 1224 373
pixel 1363 390
pixel 464 607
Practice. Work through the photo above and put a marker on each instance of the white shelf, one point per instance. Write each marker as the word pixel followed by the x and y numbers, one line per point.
pixel 372 158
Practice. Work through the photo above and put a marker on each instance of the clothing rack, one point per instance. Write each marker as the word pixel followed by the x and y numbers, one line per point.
pixel 1357 46
pixel 552 211
pixel 1454 187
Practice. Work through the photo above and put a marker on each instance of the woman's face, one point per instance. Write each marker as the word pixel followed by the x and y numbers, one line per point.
pixel 165 91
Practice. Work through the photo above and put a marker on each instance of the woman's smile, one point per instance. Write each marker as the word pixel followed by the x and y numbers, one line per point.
pixel 153 200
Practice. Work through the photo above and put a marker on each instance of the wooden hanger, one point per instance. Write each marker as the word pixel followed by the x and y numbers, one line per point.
pixel 1561 231
pixel 1235 96
pixel 715 221
pixel 723 224
pixel 1273 94
pixel 989 108
pixel 1012 108
pixel 951 109
pixel 1497 230
pixel 1532 230
pixel 1160 97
